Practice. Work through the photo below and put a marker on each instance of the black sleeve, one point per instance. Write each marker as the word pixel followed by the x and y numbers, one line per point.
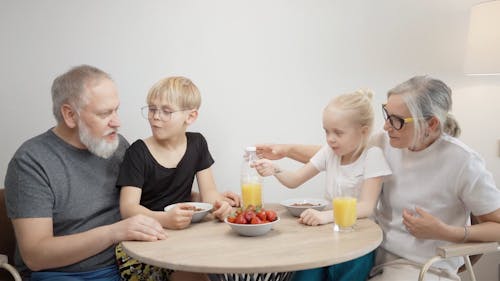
pixel 205 158
pixel 132 169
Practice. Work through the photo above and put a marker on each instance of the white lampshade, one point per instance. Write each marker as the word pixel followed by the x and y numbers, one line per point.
pixel 483 44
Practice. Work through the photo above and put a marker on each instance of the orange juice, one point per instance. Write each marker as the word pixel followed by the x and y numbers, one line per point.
pixel 344 211
pixel 252 194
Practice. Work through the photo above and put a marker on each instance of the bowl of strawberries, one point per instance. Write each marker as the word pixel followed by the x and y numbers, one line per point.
pixel 252 221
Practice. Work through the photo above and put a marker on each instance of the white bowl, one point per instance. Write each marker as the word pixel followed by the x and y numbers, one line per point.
pixel 198 215
pixel 252 229
pixel 298 205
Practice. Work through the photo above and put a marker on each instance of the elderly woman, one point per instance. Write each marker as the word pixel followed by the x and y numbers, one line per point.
pixel 437 183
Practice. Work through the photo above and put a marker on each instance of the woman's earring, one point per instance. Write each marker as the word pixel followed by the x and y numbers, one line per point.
pixel 426 134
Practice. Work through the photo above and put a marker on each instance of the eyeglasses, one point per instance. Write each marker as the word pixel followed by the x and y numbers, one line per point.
pixel 396 122
pixel 149 112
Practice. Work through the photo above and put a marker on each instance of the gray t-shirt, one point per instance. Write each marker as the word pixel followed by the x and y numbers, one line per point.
pixel 49 178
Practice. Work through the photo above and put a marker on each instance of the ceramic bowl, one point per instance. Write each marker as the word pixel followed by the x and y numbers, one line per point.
pixel 252 229
pixel 203 210
pixel 298 205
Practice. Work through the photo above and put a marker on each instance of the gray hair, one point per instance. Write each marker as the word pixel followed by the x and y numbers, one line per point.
pixel 427 97
pixel 70 87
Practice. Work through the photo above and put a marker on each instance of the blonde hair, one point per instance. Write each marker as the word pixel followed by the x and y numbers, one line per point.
pixel 360 104
pixel 427 97
pixel 178 91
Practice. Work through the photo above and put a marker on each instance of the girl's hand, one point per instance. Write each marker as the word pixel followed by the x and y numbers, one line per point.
pixel 315 217
pixel 423 225
pixel 179 217
pixel 266 167
pixel 222 209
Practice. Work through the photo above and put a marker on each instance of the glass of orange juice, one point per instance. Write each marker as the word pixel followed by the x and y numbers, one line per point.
pixel 344 207
pixel 251 193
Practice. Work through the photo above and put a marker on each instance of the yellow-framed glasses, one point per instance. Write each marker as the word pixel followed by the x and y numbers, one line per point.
pixel 396 122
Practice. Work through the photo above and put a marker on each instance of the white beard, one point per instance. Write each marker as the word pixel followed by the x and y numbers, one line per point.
pixel 97 146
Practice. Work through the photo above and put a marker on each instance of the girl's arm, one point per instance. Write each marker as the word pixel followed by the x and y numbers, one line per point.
pixel 368 198
pixel 287 178
pixel 177 218
pixel 209 193
pixel 370 191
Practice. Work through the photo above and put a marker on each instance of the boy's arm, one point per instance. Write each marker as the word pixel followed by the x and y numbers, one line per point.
pixel 209 193
pixel 177 218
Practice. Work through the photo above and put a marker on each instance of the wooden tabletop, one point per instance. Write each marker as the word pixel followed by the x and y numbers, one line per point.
pixel 212 246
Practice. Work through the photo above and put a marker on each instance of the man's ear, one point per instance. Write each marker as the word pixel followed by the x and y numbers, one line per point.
pixel 69 115
pixel 193 115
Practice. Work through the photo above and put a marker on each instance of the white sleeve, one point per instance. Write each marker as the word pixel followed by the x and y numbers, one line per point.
pixel 477 188
pixel 375 164
pixel 319 160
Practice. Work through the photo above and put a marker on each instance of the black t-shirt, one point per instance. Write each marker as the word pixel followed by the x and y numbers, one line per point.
pixel 164 186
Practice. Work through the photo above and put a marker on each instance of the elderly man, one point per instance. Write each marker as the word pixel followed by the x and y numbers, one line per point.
pixel 60 186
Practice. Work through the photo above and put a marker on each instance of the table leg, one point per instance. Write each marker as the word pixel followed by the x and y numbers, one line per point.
pixel 274 276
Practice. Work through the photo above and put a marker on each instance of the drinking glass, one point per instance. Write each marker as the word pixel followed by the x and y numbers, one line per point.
pixel 344 207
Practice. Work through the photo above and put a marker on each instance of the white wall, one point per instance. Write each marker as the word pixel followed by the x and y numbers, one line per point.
pixel 265 68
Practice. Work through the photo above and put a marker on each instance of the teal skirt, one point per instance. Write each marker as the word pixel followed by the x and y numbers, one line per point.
pixel 353 270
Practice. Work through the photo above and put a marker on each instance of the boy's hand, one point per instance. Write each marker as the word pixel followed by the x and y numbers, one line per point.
pixel 222 209
pixel 179 217
pixel 232 198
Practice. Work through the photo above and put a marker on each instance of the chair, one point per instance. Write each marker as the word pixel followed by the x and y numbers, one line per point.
pixel 7 244
pixel 471 252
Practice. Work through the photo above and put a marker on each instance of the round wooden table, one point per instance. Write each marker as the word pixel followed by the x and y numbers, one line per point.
pixel 213 247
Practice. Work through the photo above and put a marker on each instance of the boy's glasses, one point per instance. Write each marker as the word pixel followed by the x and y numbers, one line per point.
pixel 149 112
pixel 396 122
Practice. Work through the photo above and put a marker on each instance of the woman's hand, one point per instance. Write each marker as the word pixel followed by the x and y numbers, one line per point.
pixel 315 217
pixel 272 151
pixel 423 225
pixel 222 209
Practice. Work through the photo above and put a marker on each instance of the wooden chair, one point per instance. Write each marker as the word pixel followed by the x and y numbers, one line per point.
pixel 7 244
pixel 471 252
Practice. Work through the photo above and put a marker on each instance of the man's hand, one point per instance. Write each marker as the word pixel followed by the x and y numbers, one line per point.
pixel 139 227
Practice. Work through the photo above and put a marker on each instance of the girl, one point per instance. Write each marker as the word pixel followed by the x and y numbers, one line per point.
pixel 347 121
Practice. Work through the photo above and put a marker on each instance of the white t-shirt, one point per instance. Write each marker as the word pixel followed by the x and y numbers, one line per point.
pixel 371 163
pixel 447 179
